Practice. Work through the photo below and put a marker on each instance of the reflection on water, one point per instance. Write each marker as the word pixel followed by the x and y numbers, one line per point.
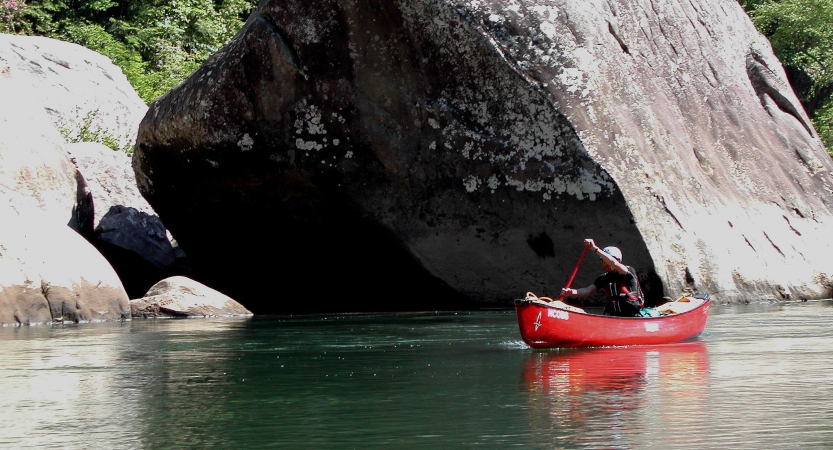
pixel 48 376
pixel 758 377
pixel 609 391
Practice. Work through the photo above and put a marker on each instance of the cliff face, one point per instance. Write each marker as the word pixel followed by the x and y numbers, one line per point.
pixel 379 155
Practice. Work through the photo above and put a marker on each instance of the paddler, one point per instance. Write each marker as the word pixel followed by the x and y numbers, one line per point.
pixel 619 283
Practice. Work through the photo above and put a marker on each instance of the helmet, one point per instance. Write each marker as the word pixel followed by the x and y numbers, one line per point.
pixel 614 252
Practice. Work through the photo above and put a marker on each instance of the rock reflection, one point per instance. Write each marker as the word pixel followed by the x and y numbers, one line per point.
pixel 615 395
pixel 59 388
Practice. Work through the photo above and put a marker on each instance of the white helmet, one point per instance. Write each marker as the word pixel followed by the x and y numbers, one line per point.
pixel 614 252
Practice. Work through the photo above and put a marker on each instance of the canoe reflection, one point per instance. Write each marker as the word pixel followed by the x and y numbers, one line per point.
pixel 602 389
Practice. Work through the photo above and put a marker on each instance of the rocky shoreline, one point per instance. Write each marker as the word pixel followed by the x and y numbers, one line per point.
pixel 416 157
pixel 77 239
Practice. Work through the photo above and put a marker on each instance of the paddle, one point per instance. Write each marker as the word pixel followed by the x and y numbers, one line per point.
pixel 575 271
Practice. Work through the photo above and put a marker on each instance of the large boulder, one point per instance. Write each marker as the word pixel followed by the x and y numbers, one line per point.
pixel 33 162
pixel 377 155
pixel 82 91
pixel 48 272
pixel 139 248
pixel 183 297
pixel 125 228
pixel 109 177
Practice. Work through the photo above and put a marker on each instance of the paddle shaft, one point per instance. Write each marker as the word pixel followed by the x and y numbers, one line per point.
pixel 575 271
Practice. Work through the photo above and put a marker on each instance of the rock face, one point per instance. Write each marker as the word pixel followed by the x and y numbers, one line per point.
pixel 33 164
pixel 137 245
pixel 109 177
pixel 48 272
pixel 78 87
pixel 184 297
pixel 381 154
pixel 123 226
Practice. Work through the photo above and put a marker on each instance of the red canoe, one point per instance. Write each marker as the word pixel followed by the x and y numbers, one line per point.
pixel 544 325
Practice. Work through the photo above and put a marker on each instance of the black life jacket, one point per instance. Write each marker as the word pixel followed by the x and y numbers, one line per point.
pixel 634 296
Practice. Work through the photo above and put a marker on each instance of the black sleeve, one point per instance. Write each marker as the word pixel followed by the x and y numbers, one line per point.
pixel 600 283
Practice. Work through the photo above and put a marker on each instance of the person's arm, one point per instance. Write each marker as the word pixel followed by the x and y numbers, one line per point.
pixel 611 261
pixel 583 292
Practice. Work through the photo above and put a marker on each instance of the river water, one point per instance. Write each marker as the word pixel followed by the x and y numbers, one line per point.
pixel 760 376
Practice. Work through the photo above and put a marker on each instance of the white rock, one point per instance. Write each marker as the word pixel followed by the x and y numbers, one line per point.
pixel 71 82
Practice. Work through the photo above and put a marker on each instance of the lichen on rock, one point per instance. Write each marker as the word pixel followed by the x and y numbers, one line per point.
pixel 472 125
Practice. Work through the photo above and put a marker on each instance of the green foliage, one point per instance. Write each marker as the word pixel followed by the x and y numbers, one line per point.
pixel 11 12
pixel 750 5
pixel 95 37
pixel 801 34
pixel 86 131
pixel 823 122
pixel 174 38
pixel 156 43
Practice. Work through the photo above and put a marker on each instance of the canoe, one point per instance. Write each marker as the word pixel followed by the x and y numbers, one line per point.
pixel 546 324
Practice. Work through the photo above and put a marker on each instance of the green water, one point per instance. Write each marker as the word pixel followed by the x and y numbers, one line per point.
pixel 759 377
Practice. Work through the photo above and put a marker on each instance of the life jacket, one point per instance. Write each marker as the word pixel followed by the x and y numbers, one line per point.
pixel 632 296
pixel 640 295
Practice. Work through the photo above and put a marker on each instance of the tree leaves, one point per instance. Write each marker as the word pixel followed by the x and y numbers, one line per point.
pixel 157 43
pixel 801 34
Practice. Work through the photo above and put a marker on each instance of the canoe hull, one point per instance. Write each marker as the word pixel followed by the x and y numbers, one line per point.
pixel 544 326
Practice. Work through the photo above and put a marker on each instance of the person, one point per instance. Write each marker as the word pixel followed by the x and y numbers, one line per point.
pixel 619 283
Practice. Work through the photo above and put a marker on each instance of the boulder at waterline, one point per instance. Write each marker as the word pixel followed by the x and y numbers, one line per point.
pixel 183 297
pixel 137 245
pixel 388 153
pixel 49 273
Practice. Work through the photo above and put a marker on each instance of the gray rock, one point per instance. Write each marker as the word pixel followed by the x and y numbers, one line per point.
pixel 398 154
pixel 109 177
pixel 126 229
pixel 33 162
pixel 74 84
pixel 138 247
pixel 184 297
pixel 138 232
pixel 49 274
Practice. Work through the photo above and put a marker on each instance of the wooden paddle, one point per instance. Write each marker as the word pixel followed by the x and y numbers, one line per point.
pixel 575 271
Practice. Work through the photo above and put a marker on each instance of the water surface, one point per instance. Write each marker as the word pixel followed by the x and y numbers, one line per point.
pixel 759 377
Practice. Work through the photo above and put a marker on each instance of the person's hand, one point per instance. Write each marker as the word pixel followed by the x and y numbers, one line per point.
pixel 590 244
pixel 565 292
